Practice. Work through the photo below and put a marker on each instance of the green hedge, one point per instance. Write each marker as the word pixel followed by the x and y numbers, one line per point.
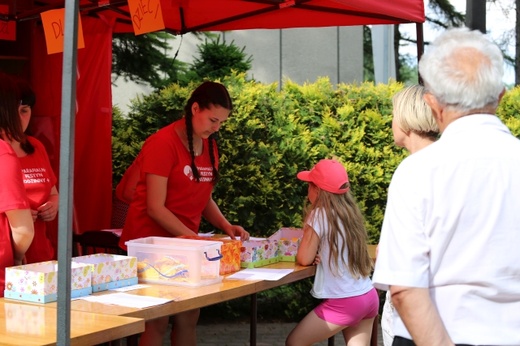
pixel 272 134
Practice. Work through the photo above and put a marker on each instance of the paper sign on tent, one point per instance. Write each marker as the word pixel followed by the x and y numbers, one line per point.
pixel 146 16
pixel 54 27
pixel 7 28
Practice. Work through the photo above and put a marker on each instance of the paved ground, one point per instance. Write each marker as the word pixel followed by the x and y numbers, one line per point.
pixel 237 334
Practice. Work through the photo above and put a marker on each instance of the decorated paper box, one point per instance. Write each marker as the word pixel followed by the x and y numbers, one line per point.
pixel 38 282
pixel 289 240
pixel 230 261
pixel 257 252
pixel 110 271
pixel 176 261
pixel 281 246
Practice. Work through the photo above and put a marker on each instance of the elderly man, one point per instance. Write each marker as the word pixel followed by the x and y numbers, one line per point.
pixel 450 245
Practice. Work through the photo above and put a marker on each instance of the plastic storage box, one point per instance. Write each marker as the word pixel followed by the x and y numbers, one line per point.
pixel 110 271
pixel 38 282
pixel 230 261
pixel 176 261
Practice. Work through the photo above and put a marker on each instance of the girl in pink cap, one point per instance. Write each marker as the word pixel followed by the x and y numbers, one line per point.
pixel 334 239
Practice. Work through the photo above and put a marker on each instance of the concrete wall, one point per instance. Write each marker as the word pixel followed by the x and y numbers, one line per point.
pixel 301 55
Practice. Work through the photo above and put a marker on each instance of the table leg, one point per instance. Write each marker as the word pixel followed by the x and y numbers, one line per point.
pixel 132 340
pixel 253 320
pixel 330 342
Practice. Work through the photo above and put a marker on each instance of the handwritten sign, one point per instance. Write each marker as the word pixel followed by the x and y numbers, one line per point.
pixel 7 28
pixel 146 16
pixel 54 27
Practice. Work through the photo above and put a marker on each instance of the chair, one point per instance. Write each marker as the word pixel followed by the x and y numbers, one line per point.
pixel 99 241
pixel 104 240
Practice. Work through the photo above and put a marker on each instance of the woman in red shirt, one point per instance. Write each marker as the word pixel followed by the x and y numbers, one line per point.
pixel 39 181
pixel 178 168
pixel 16 225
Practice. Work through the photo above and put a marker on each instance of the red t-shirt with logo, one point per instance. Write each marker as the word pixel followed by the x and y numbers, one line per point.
pixel 38 179
pixel 165 155
pixel 12 197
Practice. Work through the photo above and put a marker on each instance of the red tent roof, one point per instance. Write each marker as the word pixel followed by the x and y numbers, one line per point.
pixel 181 16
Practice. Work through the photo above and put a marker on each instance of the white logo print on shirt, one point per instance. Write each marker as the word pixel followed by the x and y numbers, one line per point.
pixel 206 173
pixel 188 172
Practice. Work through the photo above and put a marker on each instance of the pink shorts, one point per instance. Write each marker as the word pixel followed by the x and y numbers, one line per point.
pixel 349 311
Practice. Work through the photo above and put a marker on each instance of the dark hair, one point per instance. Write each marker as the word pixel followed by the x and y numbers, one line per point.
pixel 27 98
pixel 10 98
pixel 27 95
pixel 206 94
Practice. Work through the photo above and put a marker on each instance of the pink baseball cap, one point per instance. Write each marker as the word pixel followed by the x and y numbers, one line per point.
pixel 329 175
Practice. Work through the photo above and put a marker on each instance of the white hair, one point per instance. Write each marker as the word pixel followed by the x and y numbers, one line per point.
pixel 463 69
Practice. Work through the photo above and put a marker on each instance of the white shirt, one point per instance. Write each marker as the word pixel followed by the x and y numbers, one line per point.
pixel 333 282
pixel 452 223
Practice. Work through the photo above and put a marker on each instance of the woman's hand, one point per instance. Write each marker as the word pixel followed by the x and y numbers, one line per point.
pixel 47 211
pixel 238 231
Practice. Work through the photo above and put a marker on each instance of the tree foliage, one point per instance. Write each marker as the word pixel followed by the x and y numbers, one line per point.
pixel 217 59
pixel 145 59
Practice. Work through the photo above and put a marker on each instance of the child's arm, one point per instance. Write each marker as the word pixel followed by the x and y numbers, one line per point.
pixel 308 249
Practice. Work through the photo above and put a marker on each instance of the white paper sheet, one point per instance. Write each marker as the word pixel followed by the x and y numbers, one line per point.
pixel 129 288
pixel 129 300
pixel 260 274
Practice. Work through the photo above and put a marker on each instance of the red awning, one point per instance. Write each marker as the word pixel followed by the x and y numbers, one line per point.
pixel 181 16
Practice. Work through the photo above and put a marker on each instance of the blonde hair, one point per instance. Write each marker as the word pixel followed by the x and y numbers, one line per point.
pixel 342 210
pixel 412 114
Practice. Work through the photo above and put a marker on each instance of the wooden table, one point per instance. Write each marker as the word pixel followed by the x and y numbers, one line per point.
pixel 188 298
pixel 185 299
pixel 35 324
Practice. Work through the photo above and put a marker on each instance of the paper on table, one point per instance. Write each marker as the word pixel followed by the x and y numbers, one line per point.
pixel 250 238
pixel 130 288
pixel 208 234
pixel 129 300
pixel 260 274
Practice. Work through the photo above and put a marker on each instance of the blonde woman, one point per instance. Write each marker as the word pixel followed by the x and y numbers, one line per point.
pixel 414 128
pixel 334 238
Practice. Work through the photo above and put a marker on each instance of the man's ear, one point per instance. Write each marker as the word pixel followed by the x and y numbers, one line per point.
pixel 435 106
pixel 501 95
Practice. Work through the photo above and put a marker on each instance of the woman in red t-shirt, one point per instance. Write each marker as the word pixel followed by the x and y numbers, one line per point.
pixel 178 168
pixel 16 225
pixel 39 181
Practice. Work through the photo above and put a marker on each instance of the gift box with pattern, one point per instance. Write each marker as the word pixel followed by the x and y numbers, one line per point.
pixel 281 246
pixel 289 240
pixel 38 282
pixel 257 252
pixel 110 271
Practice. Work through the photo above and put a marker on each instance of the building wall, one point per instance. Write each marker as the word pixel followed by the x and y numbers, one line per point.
pixel 301 55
